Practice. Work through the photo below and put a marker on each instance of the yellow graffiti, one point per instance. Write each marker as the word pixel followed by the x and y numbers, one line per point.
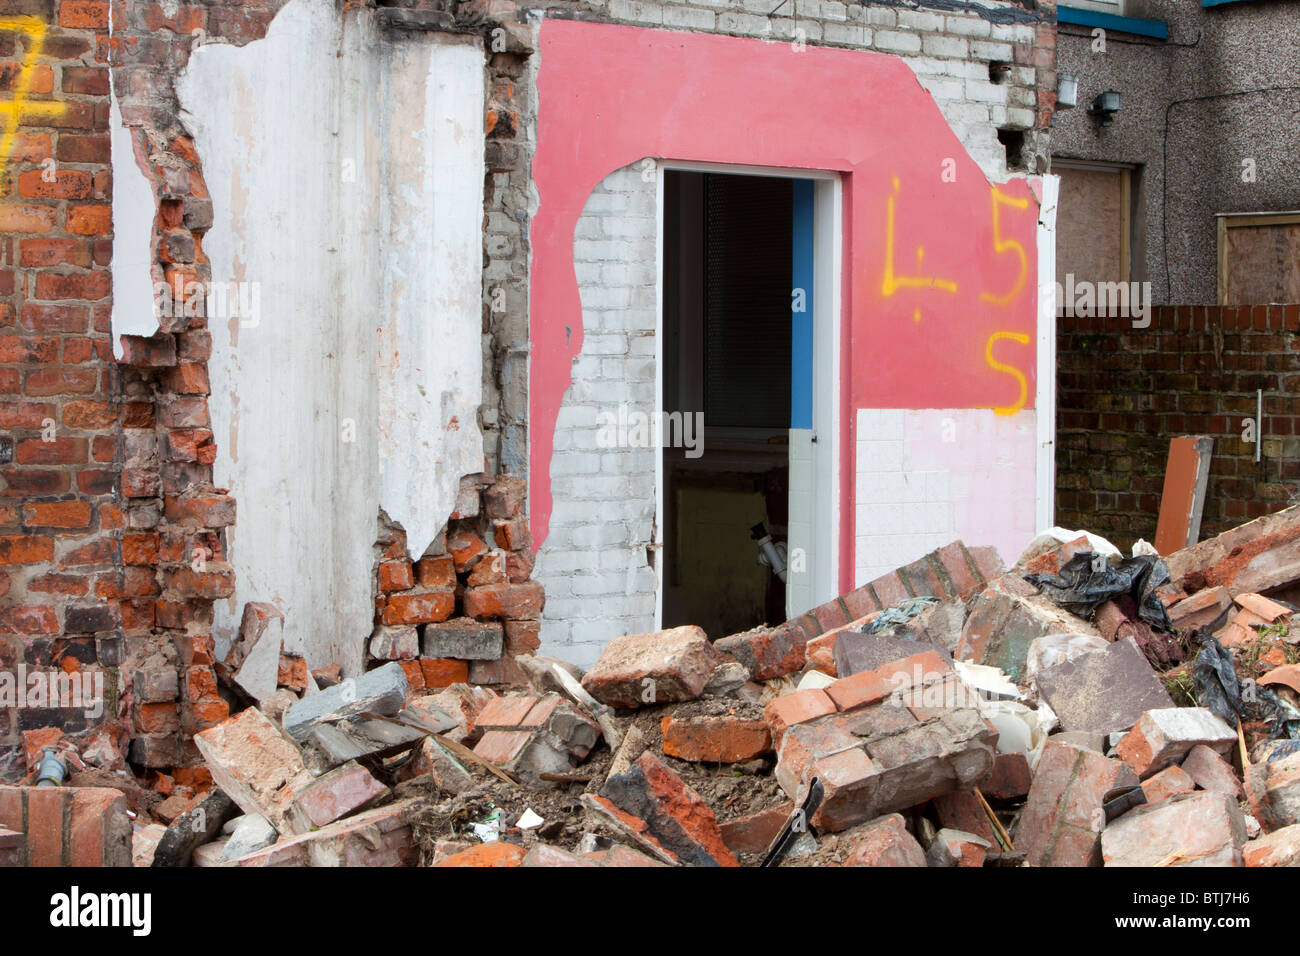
pixel 1001 245
pixel 893 282
pixel 1009 369
pixel 14 109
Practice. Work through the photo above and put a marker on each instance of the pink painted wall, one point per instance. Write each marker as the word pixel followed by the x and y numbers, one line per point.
pixel 955 331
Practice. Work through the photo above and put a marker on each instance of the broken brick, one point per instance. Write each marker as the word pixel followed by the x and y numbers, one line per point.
pixel 1188 829
pixel 768 652
pixel 1211 772
pixel 674 814
pixel 1063 818
pixel 753 833
pixel 1165 736
pixel 715 739
pixel 882 842
pixel 659 668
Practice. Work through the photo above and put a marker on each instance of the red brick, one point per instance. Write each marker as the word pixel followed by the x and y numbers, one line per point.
pixel 67 184
pixel 715 739
pixel 45 826
pixel 870 687
pixel 859 602
pixel 767 652
pixel 1166 783
pixel 1011 778
pixel 440 672
pixel 84 14
pixel 61 381
pixel 512 602
pixel 753 833
pixel 26 549
pixel 889 589
pixel 89 220
pixel 505 713
pixel 882 842
pixel 436 572
pixel 414 674
pixel 419 607
pixel 395 576
pixel 497 853
pixel 502 746
pixel 796 708
pixel 15 217
pixel 1063 817
pixel 83 285
pixel 57 514
pixel 678 818
pixel 466 548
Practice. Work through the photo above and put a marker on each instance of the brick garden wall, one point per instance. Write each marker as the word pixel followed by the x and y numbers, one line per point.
pixel 1123 393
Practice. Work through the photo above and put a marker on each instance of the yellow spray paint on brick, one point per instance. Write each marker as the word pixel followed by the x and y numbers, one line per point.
pixel 18 106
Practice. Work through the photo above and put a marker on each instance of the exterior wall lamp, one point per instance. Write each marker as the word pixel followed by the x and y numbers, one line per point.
pixel 1105 106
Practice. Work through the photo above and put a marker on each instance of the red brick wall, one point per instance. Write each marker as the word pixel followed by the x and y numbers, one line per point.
pixel 111 535
pixel 1122 393
pixel 59 517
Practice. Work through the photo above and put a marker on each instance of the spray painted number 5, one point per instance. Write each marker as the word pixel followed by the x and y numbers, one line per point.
pixel 1001 245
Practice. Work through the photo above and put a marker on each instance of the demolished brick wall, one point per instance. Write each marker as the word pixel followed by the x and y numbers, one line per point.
pixel 1123 392
pixel 113 546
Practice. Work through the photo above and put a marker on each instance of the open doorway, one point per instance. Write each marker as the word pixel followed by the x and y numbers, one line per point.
pixel 730 335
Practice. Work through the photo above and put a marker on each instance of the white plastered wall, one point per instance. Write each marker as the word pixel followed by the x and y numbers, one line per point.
pixel 346 173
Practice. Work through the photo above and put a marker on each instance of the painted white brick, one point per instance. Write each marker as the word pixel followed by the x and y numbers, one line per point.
pixel 916 20
pixel 944 87
pixel 833 10
pixel 985 92
pixel 636 11
pixel 575 464
pixel 944 46
pixel 743 23
pixel 852 34
pixel 991 51
pixel 600 536
pixel 1020 118
pixel 605 344
pixel 881 17
pixel 894 42
pixel 688 18
pixel 973 26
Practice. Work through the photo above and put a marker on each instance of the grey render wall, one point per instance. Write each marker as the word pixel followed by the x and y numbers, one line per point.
pixel 1175 105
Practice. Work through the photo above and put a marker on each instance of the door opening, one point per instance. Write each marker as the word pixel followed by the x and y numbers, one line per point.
pixel 732 348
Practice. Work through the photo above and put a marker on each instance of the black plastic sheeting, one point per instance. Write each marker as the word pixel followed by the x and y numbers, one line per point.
pixel 1089 580
pixel 1219 689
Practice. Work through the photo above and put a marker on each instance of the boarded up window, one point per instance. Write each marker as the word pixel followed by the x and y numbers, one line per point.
pixel 1092 223
pixel 1259 259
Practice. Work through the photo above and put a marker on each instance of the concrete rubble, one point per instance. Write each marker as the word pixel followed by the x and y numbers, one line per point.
pixel 969 721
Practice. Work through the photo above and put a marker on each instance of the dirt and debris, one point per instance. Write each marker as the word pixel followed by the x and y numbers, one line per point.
pixel 1080 709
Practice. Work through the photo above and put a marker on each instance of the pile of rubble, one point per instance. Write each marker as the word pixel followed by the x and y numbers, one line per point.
pixel 1081 709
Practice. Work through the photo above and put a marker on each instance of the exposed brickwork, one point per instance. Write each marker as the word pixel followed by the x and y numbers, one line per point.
pixel 112 530
pixel 1124 392
pixel 467 604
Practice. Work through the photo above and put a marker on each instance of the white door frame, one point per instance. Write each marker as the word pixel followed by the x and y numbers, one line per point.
pixel 828 233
